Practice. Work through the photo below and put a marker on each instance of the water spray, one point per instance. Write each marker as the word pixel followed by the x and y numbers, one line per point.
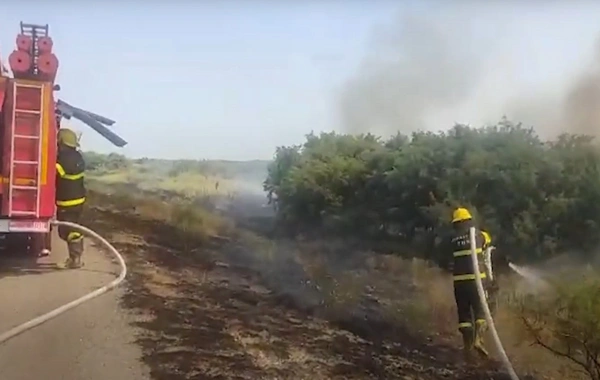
pixel 530 276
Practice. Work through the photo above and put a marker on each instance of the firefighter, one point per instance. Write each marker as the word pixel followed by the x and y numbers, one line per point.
pixel 487 239
pixel 490 282
pixel 471 315
pixel 70 193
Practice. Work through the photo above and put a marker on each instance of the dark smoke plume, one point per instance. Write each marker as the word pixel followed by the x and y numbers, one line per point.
pixel 412 71
pixel 428 71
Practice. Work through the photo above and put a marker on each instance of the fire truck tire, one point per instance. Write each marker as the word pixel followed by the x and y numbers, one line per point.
pixel 36 244
pixel 16 244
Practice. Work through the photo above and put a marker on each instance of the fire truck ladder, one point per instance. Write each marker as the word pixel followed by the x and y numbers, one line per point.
pixel 34 113
pixel 35 32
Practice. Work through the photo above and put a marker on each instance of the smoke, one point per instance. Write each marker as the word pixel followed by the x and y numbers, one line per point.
pixel 430 70
pixel 582 103
pixel 572 108
pixel 411 72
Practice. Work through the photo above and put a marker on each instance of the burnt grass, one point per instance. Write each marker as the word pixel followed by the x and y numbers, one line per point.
pixel 216 319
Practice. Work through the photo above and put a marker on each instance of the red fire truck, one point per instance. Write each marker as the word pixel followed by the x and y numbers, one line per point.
pixel 29 118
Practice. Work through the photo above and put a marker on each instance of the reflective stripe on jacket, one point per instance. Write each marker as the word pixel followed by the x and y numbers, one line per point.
pixel 70 169
pixel 461 251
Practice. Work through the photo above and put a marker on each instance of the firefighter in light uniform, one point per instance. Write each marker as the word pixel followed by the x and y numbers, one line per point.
pixel 70 193
pixel 490 283
pixel 471 315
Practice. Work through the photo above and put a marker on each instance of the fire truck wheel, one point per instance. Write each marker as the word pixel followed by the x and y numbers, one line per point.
pixel 36 244
pixel 16 244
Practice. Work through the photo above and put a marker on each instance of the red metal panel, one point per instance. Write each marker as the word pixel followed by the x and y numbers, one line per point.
pixel 48 164
pixel 3 84
pixel 4 110
pixel 6 144
pixel 26 150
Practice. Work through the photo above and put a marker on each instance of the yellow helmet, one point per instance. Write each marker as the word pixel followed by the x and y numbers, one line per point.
pixel 486 237
pixel 68 137
pixel 461 214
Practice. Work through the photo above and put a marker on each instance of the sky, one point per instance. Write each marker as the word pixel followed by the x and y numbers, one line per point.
pixel 235 79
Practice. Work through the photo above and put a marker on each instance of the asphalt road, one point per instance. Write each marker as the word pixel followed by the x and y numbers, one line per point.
pixel 91 342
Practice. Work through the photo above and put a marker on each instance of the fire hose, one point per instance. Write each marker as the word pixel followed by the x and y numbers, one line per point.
pixel 488 315
pixel 66 307
pixel 100 291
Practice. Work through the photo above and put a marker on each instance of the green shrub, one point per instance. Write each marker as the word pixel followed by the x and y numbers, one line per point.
pixel 537 198
pixel 565 320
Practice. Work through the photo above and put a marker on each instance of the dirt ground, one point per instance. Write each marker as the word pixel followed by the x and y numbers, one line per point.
pixel 204 317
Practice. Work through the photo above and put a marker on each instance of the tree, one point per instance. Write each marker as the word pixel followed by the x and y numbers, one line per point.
pixel 536 197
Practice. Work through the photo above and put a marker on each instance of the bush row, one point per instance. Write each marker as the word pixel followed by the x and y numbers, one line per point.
pixel 537 198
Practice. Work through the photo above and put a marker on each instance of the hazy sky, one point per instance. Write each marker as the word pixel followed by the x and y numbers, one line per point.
pixel 233 81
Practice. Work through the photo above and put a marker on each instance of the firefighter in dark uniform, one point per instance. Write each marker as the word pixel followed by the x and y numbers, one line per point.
pixel 471 315
pixel 70 193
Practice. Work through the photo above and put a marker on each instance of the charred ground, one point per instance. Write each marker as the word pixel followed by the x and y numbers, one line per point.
pixel 217 311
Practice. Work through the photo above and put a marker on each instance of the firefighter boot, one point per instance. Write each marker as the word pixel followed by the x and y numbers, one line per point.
pixel 480 328
pixel 468 341
pixel 67 264
pixel 75 252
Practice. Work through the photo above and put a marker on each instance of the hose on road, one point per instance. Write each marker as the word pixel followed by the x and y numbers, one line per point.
pixel 488 315
pixel 64 308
